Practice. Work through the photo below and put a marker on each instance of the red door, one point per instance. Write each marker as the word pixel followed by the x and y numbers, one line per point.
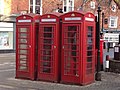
pixel 71 62
pixel 23 51
pixel 47 60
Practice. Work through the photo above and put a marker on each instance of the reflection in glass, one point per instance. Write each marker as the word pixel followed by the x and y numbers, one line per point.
pixel 23 46
pixel 23 29
pixel 31 9
pixel 23 68
pixel 23 40
pixel 23 51
pixel 23 56
pixel 38 2
pixel 31 2
pixel 23 35
pixel 23 62
pixel 37 9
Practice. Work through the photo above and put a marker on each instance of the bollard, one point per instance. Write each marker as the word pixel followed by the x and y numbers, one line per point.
pixel 107 63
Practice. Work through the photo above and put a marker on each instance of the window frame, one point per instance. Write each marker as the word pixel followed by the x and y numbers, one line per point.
pixel 113 21
pixel 68 5
pixel 35 5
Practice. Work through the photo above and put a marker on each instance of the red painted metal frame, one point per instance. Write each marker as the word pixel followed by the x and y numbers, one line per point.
pixel 81 20
pixel 31 23
pixel 52 22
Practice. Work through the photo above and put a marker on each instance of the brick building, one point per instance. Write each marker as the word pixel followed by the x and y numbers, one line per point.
pixel 10 9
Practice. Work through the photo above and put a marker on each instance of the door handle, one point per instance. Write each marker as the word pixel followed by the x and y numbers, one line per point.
pixel 54 46
pixel 29 46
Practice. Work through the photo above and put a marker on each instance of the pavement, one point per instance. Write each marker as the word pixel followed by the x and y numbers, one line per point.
pixel 110 81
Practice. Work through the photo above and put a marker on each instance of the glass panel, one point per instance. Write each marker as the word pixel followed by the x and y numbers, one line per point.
pixel 48 41
pixel 70 8
pixel 38 2
pixel 23 62
pixel 37 9
pixel 89 47
pixel 31 2
pixel 46 70
pixel 48 35
pixel 23 40
pixel 23 46
pixel 23 35
pixel 89 41
pixel 23 51
pixel 47 64
pixel 65 2
pixel 46 58
pixel 89 53
pixel 47 52
pixel 90 29
pixel 89 59
pixel 47 47
pixel 6 40
pixel 31 9
pixel 23 29
pixel 47 29
pixel 89 34
pixel 23 67
pixel 23 57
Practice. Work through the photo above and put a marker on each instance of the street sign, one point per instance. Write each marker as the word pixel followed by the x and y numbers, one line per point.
pixel 111 37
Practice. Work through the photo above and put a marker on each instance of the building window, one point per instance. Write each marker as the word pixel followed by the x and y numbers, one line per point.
pixel 1 6
pixel 113 8
pixel 105 21
pixel 113 22
pixel 92 5
pixel 6 36
pixel 35 6
pixel 68 5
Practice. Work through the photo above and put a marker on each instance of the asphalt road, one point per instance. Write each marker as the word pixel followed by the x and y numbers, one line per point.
pixel 110 81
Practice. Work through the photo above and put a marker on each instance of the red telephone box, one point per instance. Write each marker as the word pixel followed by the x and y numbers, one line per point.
pixel 78 48
pixel 49 48
pixel 27 27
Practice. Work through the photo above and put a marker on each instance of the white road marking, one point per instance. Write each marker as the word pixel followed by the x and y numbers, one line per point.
pixel 7 70
pixel 5 86
pixel 7 63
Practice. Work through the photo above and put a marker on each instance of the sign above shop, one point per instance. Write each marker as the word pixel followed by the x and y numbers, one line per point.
pixel 111 37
